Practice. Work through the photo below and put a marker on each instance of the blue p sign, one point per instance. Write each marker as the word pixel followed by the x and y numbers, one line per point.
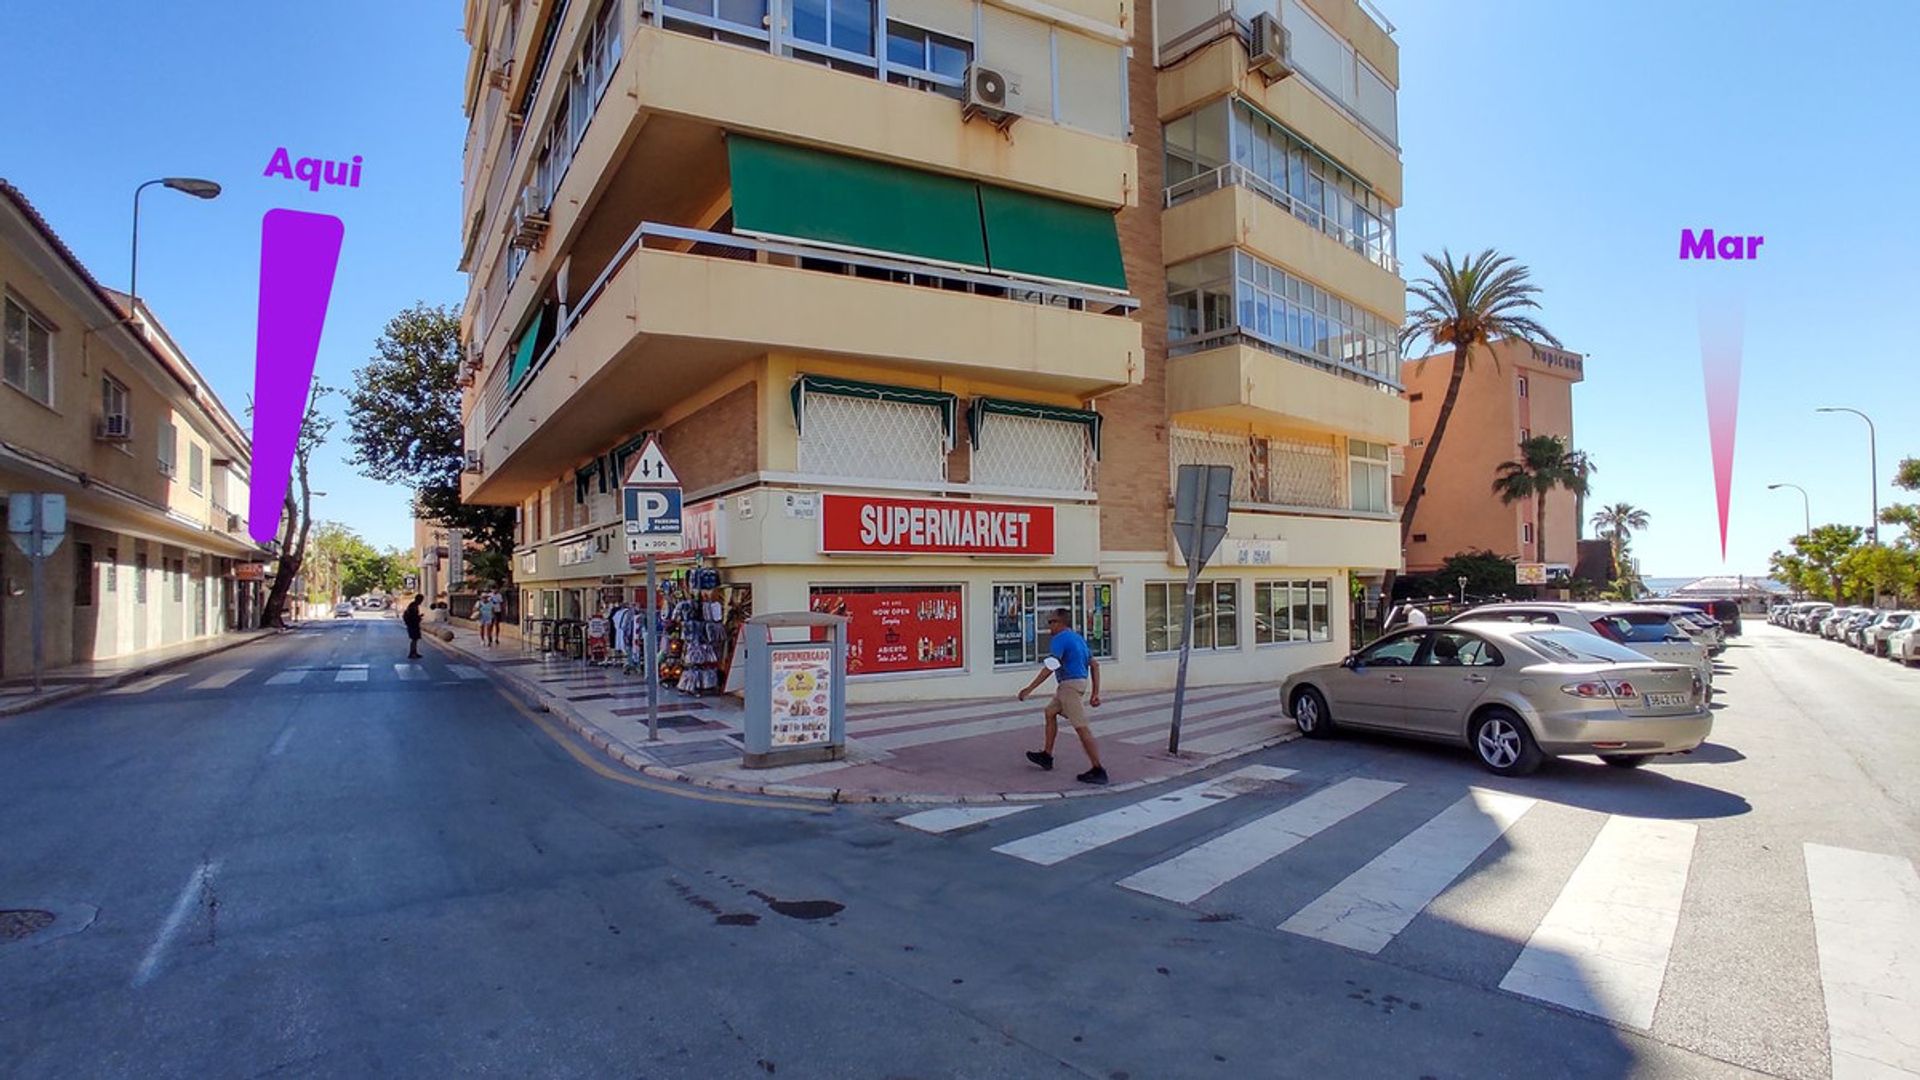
pixel 652 511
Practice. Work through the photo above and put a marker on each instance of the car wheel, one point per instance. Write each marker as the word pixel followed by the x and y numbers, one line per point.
pixel 1624 761
pixel 1504 745
pixel 1310 713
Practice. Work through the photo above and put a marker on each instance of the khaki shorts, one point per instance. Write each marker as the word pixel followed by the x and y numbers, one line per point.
pixel 1070 701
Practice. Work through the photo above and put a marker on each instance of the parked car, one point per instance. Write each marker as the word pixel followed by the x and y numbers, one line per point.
pixel 1855 632
pixel 1648 632
pixel 1700 627
pixel 1725 612
pixel 1515 693
pixel 1778 612
pixel 1903 646
pixel 343 610
pixel 1830 622
pixel 1807 618
pixel 1875 637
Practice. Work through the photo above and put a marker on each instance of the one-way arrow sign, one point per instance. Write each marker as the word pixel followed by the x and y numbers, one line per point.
pixel 651 469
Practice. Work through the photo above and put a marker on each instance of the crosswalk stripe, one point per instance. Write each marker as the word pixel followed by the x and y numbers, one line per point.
pixel 220 680
pixel 1214 722
pixel 466 671
pixel 287 678
pixel 1265 727
pixel 1602 948
pixel 1078 837
pixel 1378 900
pixel 949 818
pixel 151 682
pixel 1105 724
pixel 1018 713
pixel 1198 871
pixel 1866 925
pixel 409 672
pixel 350 674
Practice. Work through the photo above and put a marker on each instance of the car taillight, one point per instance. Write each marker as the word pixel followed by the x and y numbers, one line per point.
pixel 1699 688
pixel 1605 689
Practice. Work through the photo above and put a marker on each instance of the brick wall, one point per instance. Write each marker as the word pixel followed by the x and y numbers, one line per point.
pixel 717 443
pixel 1133 466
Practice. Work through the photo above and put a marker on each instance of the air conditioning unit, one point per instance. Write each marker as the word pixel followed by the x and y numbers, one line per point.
pixel 991 94
pixel 529 221
pixel 472 461
pixel 1270 52
pixel 115 428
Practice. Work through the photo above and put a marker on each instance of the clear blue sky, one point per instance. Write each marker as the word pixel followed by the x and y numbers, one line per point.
pixel 1578 137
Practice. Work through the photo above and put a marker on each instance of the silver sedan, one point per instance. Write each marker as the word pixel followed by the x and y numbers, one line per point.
pixel 1514 693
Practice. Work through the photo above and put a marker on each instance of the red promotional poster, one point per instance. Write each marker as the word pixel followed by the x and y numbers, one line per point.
pixel 877 524
pixel 897 629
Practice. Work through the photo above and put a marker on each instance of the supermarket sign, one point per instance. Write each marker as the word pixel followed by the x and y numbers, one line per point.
pixel 878 525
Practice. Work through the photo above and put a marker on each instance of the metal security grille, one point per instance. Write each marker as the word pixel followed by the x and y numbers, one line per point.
pixel 861 439
pixel 1209 448
pixel 1041 455
pixel 1304 473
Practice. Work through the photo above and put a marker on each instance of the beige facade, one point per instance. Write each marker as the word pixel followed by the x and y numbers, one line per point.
pixel 103 407
pixel 939 316
pixel 1518 391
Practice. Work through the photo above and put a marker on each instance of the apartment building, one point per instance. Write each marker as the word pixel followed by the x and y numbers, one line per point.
pixel 926 300
pixel 99 403
pixel 1522 390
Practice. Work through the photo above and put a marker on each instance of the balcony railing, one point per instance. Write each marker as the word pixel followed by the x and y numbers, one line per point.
pixel 497 394
pixel 1372 249
pixel 1387 382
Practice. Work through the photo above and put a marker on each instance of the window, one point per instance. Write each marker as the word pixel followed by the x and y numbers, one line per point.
pixel 113 397
pixel 1416 397
pixel 196 468
pixel 29 354
pixel 927 60
pixel 842 30
pixel 1419 538
pixel 1031 447
pixel 112 568
pixel 1216 610
pixel 1393 651
pixel 872 437
pixel 169 449
pixel 1526 532
pixel 1367 476
pixel 1292 611
pixel 740 22
pixel 139 576
pixel 895 629
pixel 1020 611
pixel 1451 648
pixel 1235 291
pixel 1523 386
pixel 83 575
pixel 1525 434
pixel 179 580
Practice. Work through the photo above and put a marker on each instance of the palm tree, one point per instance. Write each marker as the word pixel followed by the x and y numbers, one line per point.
pixel 1462 305
pixel 1616 525
pixel 1545 464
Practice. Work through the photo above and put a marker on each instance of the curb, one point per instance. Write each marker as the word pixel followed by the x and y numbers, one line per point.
pixel 598 738
pixel 112 681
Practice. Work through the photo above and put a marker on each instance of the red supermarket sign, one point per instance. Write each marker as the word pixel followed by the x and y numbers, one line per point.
pixel 878 525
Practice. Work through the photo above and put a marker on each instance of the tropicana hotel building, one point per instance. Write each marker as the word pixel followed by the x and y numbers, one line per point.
pixel 926 300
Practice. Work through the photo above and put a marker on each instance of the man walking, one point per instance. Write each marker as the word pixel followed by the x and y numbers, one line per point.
pixel 483 611
pixel 412 618
pixel 1076 676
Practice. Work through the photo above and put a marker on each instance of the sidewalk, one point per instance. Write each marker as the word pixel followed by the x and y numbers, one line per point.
pixel 74 680
pixel 959 751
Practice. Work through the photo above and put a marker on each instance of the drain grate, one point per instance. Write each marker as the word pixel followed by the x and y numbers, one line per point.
pixel 18 923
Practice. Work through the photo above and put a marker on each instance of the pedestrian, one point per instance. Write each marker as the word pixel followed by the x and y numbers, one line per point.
pixel 1076 676
pixel 483 611
pixel 499 611
pixel 1416 615
pixel 412 618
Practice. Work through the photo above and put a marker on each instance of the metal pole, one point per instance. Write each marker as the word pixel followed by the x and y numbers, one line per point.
pixel 39 583
pixel 1186 650
pixel 653 653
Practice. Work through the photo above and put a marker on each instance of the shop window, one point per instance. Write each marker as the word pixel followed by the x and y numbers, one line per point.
pixel 1020 611
pixel 28 349
pixel 1216 612
pixel 1292 611
pixel 179 581
pixel 894 629
pixel 139 576
pixel 83 575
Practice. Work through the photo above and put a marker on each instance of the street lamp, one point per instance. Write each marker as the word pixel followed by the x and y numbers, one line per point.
pixel 1873 467
pixel 199 189
pixel 1806 506
pixel 1463 590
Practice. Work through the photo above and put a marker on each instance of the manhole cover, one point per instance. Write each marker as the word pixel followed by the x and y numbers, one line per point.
pixel 17 923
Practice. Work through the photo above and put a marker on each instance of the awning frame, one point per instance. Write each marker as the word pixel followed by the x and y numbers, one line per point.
pixel 948 404
pixel 982 407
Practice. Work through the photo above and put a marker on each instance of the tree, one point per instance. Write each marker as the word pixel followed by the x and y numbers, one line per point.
pixel 405 421
pixel 367 570
pixel 1545 463
pixel 1463 306
pixel 296 518
pixel 488 566
pixel 1616 525
pixel 328 551
pixel 1813 567
pixel 1906 477
pixel 1878 569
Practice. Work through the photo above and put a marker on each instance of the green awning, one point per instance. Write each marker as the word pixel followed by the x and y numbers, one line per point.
pixel 523 357
pixel 800 194
pixel 821 384
pixel 1032 234
pixel 983 407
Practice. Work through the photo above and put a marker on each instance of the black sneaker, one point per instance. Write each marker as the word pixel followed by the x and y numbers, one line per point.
pixel 1041 758
pixel 1095 775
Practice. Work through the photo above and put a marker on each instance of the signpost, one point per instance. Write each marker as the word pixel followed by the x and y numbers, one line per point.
pixel 1530 573
pixel 37 523
pixel 1202 498
pixel 651 504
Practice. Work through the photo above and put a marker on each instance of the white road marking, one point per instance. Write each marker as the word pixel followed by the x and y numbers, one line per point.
pixel 1198 871
pixel 280 743
pixel 1602 948
pixel 220 680
pixel 1866 923
pixel 949 818
pixel 1378 900
pixel 149 964
pixel 1266 727
pixel 151 682
pixel 1136 718
pixel 1257 711
pixel 287 678
pixel 466 671
pixel 409 671
pixel 351 673
pixel 1077 837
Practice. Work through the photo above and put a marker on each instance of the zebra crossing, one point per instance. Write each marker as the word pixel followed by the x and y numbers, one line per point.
pixel 345 676
pixel 1602 947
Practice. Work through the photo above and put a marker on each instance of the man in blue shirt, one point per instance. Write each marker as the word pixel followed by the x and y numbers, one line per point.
pixel 1076 676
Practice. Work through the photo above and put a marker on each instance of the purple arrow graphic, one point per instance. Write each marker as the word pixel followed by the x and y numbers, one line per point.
pixel 1721 338
pixel 298 254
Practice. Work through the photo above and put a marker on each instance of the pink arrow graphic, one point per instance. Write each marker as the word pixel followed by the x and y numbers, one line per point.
pixel 1721 338
pixel 298 254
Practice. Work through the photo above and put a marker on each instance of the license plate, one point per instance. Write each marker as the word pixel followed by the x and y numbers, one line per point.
pixel 1661 701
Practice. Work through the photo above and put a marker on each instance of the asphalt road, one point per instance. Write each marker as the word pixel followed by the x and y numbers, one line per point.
pixel 362 869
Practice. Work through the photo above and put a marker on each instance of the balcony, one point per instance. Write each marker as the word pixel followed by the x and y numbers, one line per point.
pixel 1235 377
pixel 679 308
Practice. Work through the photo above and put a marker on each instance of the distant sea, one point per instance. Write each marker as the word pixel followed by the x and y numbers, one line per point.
pixel 1660 586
